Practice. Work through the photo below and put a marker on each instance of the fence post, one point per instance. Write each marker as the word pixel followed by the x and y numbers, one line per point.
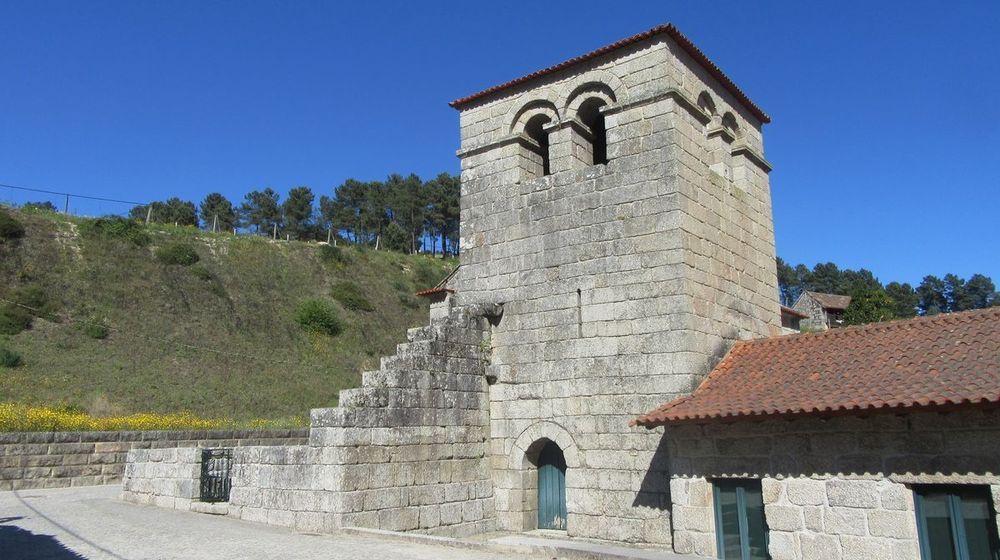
pixel 149 213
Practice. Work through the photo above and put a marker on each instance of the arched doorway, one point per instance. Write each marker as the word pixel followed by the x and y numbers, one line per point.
pixel 551 488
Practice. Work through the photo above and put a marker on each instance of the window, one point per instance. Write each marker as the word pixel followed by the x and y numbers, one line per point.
pixel 956 523
pixel 741 532
pixel 535 130
pixel 592 118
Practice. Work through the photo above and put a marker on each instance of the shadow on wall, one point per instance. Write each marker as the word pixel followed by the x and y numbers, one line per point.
pixel 654 491
pixel 22 544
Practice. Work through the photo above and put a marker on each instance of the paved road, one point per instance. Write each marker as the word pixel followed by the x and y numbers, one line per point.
pixel 90 523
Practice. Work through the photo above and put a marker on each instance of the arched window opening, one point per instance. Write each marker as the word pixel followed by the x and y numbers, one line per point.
pixel 706 104
pixel 730 124
pixel 535 130
pixel 591 117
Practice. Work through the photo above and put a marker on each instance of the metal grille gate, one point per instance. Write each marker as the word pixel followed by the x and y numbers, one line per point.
pixel 216 481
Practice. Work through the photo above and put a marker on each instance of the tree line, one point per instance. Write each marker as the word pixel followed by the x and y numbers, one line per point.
pixel 872 301
pixel 404 214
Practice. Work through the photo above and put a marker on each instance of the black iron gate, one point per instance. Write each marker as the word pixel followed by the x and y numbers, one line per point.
pixel 216 465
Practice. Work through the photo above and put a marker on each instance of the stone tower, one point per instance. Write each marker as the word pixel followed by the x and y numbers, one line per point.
pixel 617 205
pixel 616 239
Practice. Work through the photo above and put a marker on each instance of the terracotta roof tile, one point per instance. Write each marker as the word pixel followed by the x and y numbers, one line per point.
pixel 667 29
pixel 939 362
pixel 432 291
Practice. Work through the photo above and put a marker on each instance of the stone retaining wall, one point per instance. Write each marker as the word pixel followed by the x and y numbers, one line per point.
pixel 60 459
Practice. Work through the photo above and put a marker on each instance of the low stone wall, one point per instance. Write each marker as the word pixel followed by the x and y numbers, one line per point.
pixel 60 459
pixel 163 477
pixel 836 488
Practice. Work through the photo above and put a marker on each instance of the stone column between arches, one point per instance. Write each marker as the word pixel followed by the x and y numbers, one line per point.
pixel 516 477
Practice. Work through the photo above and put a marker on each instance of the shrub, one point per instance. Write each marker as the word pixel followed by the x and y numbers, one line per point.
pixel 14 319
pixel 316 315
pixel 9 358
pixel 116 227
pixel 200 272
pixel 351 297
pixel 10 228
pixel 96 329
pixel 180 254
pixel 335 255
pixel 28 302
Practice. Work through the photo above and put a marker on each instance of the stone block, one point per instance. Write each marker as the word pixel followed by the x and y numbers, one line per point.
pixel 852 493
pixel 806 491
pixel 781 546
pixel 783 518
pixel 821 547
pixel 867 548
pixel 895 524
pixel 844 521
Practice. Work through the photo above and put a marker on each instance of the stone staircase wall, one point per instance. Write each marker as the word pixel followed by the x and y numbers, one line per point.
pixel 406 451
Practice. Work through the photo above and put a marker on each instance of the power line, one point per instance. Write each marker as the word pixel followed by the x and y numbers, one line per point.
pixel 72 195
pixel 51 317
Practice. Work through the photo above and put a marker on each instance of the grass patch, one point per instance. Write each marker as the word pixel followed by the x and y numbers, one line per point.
pixel 318 316
pixel 211 338
pixel 180 254
pixel 351 296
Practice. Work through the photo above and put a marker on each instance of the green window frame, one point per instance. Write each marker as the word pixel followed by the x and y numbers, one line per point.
pixel 956 523
pixel 740 527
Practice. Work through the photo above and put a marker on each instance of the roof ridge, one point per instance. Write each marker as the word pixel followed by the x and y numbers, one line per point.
pixel 954 316
pixel 668 28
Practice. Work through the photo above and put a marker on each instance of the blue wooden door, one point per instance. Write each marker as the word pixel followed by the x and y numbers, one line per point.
pixel 551 488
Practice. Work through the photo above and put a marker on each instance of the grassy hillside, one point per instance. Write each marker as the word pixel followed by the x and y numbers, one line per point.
pixel 120 331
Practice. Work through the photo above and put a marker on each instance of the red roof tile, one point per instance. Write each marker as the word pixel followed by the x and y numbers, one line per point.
pixel 928 362
pixel 432 291
pixel 667 29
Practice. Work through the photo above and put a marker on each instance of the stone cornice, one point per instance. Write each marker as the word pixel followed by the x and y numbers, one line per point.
pixel 753 156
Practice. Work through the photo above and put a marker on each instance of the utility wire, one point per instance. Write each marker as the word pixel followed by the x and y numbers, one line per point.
pixel 54 318
pixel 71 195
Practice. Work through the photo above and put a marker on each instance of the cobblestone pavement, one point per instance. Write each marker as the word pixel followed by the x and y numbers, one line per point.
pixel 91 523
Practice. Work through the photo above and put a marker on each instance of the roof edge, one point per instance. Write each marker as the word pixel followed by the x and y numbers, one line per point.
pixel 831 413
pixel 667 29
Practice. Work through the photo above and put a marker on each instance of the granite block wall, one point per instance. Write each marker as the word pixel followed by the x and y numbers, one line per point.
pixel 60 459
pixel 833 489
pixel 623 283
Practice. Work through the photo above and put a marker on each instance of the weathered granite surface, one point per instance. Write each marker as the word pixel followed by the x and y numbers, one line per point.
pixel 59 459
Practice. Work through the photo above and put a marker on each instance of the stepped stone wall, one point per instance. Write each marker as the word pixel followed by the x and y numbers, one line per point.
pixel 405 451
pixel 60 459
pixel 623 283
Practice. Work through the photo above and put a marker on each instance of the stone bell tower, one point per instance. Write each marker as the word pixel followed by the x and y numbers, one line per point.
pixel 618 206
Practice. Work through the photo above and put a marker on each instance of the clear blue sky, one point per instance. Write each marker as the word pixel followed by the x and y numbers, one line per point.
pixel 884 140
